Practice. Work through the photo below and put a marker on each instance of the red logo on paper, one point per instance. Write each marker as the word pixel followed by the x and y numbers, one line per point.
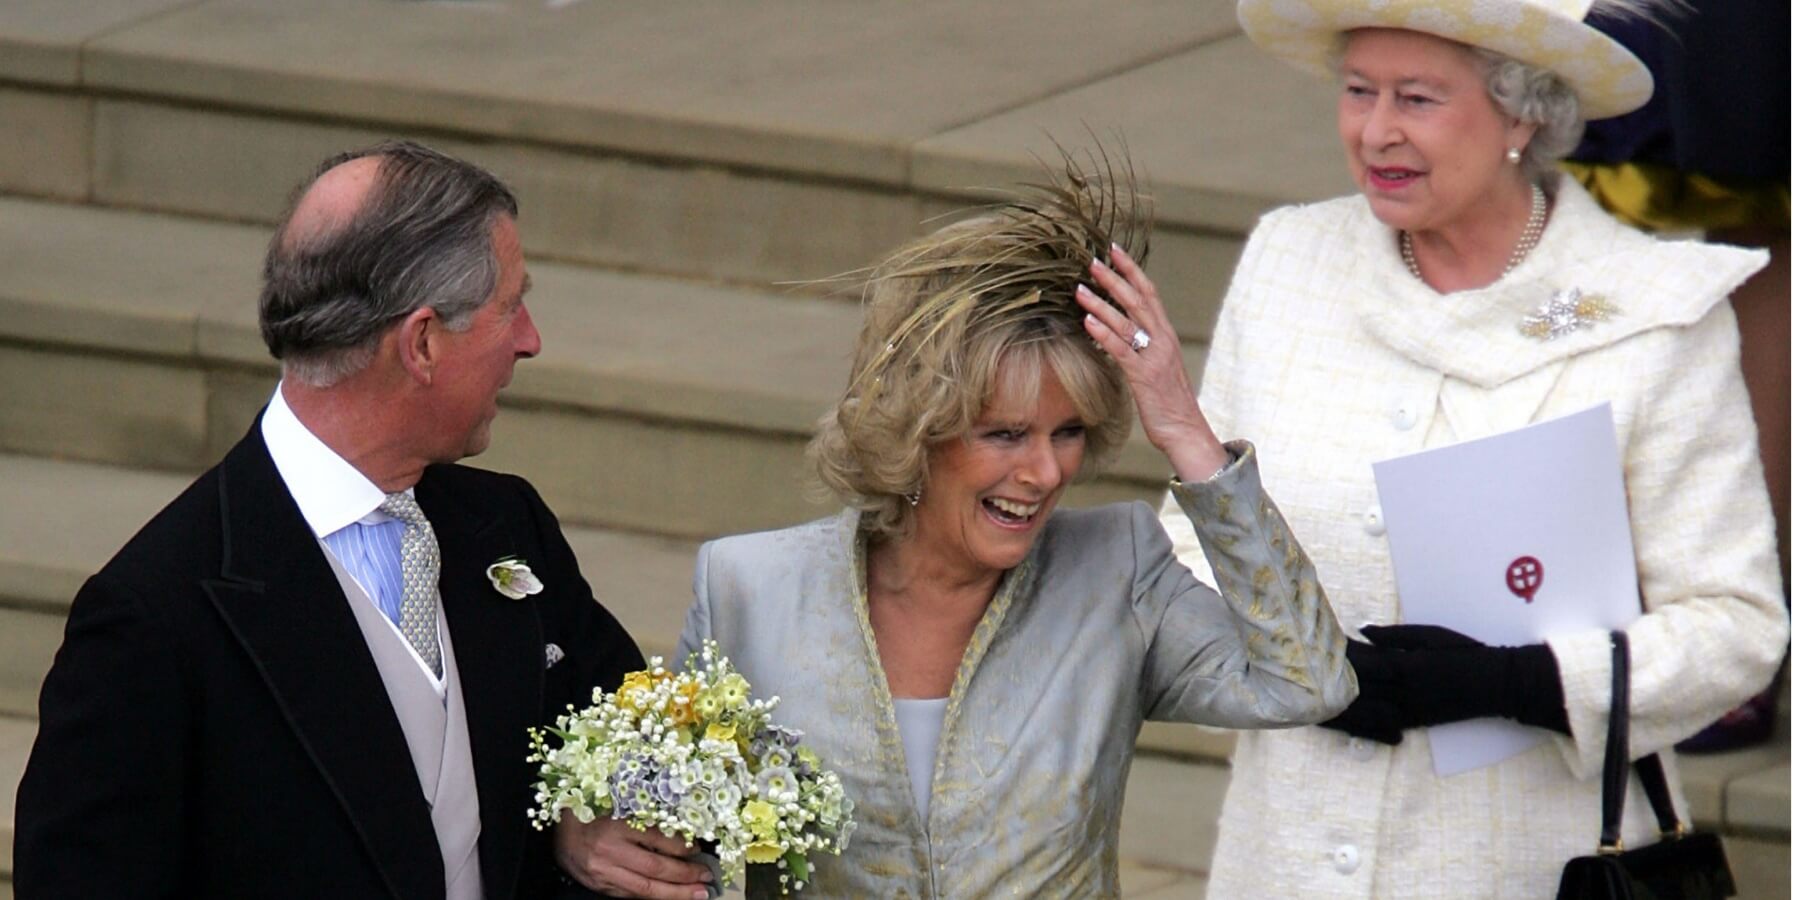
pixel 1524 576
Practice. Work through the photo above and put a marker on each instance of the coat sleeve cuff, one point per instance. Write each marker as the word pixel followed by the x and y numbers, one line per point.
pixel 1266 578
pixel 1238 475
pixel 1584 662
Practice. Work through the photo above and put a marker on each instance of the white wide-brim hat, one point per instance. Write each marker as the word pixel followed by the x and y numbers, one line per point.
pixel 1608 80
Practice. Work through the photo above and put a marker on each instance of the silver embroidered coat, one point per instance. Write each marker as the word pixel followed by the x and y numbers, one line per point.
pixel 1330 355
pixel 1099 629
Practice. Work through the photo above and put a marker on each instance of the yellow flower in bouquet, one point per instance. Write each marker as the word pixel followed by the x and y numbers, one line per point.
pixel 759 817
pixel 635 692
pixel 681 706
pixel 708 705
pixel 763 852
pixel 734 690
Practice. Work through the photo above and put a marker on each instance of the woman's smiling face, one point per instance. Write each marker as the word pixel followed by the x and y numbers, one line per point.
pixel 1425 143
pixel 990 492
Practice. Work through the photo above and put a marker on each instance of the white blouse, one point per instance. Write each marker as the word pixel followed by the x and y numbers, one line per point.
pixel 920 721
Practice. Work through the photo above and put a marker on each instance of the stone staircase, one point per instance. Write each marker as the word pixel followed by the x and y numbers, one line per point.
pixel 687 174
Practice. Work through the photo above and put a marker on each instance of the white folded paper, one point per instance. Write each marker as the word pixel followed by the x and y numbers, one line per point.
pixel 1511 539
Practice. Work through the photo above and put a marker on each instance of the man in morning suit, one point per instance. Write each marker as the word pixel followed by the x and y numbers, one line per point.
pixel 298 680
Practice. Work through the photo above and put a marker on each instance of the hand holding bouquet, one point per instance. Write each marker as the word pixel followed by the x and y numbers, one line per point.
pixel 693 756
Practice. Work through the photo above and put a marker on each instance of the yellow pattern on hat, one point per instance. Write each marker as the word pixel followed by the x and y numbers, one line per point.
pixel 1608 80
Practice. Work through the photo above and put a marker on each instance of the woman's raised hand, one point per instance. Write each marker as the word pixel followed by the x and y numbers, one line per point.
pixel 1147 348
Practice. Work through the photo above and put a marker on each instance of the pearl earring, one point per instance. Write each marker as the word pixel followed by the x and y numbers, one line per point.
pixel 912 498
pixel 1513 155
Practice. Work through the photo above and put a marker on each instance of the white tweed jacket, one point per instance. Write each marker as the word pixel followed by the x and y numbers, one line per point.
pixel 1330 356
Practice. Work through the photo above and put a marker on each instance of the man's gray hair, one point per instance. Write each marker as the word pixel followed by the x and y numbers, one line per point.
pixel 1537 96
pixel 422 237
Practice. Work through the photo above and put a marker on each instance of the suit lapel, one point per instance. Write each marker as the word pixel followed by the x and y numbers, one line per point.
pixel 280 599
pixel 500 654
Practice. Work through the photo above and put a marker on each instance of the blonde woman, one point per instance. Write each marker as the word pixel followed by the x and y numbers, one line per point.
pixel 975 661
pixel 1422 311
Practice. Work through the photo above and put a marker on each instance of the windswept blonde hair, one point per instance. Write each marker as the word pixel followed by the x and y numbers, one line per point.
pixel 972 313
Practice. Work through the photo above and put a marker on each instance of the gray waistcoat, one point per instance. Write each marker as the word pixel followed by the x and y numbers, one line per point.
pixel 437 733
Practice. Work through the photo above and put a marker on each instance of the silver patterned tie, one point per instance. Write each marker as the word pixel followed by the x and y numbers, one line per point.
pixel 418 578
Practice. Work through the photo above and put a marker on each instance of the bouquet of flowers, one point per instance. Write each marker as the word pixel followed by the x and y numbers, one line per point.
pixel 692 755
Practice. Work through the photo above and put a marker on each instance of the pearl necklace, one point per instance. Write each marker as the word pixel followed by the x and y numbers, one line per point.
pixel 1534 231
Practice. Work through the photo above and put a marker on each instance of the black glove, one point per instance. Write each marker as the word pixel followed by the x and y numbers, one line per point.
pixel 1416 675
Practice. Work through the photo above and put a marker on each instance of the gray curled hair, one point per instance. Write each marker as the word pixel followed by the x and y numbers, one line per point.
pixel 1539 97
pixel 970 314
pixel 422 237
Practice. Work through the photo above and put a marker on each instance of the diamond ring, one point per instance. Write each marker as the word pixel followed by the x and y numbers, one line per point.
pixel 1140 340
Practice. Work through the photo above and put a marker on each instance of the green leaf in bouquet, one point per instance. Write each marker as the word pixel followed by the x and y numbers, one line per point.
pixel 796 865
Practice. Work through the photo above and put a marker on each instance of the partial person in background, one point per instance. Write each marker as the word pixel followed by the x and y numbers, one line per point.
pixel 974 661
pixel 1711 152
pixel 1468 289
pixel 302 678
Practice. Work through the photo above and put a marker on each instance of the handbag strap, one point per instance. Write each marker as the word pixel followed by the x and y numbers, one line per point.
pixel 1615 774
pixel 1618 736
pixel 1656 787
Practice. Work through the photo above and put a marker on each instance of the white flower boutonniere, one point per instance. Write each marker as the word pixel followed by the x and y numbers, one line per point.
pixel 513 578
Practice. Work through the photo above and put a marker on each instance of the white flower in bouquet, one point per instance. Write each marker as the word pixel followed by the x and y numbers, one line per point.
pixel 691 754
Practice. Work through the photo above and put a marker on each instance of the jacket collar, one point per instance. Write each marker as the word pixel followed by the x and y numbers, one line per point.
pixel 500 655
pixel 281 600
pixel 1474 335
pixel 283 603
pixel 849 547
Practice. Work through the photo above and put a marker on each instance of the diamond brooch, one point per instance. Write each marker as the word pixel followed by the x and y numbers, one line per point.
pixel 1568 310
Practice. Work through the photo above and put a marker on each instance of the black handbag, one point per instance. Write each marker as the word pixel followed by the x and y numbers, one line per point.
pixel 1683 865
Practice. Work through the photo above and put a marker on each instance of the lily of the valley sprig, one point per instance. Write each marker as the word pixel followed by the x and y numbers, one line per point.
pixel 513 578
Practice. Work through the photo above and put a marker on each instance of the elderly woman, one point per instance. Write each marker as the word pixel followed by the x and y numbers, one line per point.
pixel 1418 314
pixel 975 662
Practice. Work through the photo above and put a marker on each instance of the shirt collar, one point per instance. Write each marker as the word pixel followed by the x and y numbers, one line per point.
pixel 330 492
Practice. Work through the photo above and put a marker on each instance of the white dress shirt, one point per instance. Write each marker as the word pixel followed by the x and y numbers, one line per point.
pixel 342 507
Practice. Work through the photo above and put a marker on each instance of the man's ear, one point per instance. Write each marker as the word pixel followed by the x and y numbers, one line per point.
pixel 416 342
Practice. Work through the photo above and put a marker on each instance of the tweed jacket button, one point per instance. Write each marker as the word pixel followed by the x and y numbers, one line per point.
pixel 1345 859
pixel 1373 523
pixel 1404 416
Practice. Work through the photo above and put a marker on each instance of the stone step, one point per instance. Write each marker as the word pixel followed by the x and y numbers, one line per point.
pixel 16 735
pixel 659 405
pixel 73 516
pixel 1167 832
pixel 772 142
pixel 779 141
pixel 79 513
pixel 82 512
pixel 76 515
pixel 1165 841
pixel 1172 807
